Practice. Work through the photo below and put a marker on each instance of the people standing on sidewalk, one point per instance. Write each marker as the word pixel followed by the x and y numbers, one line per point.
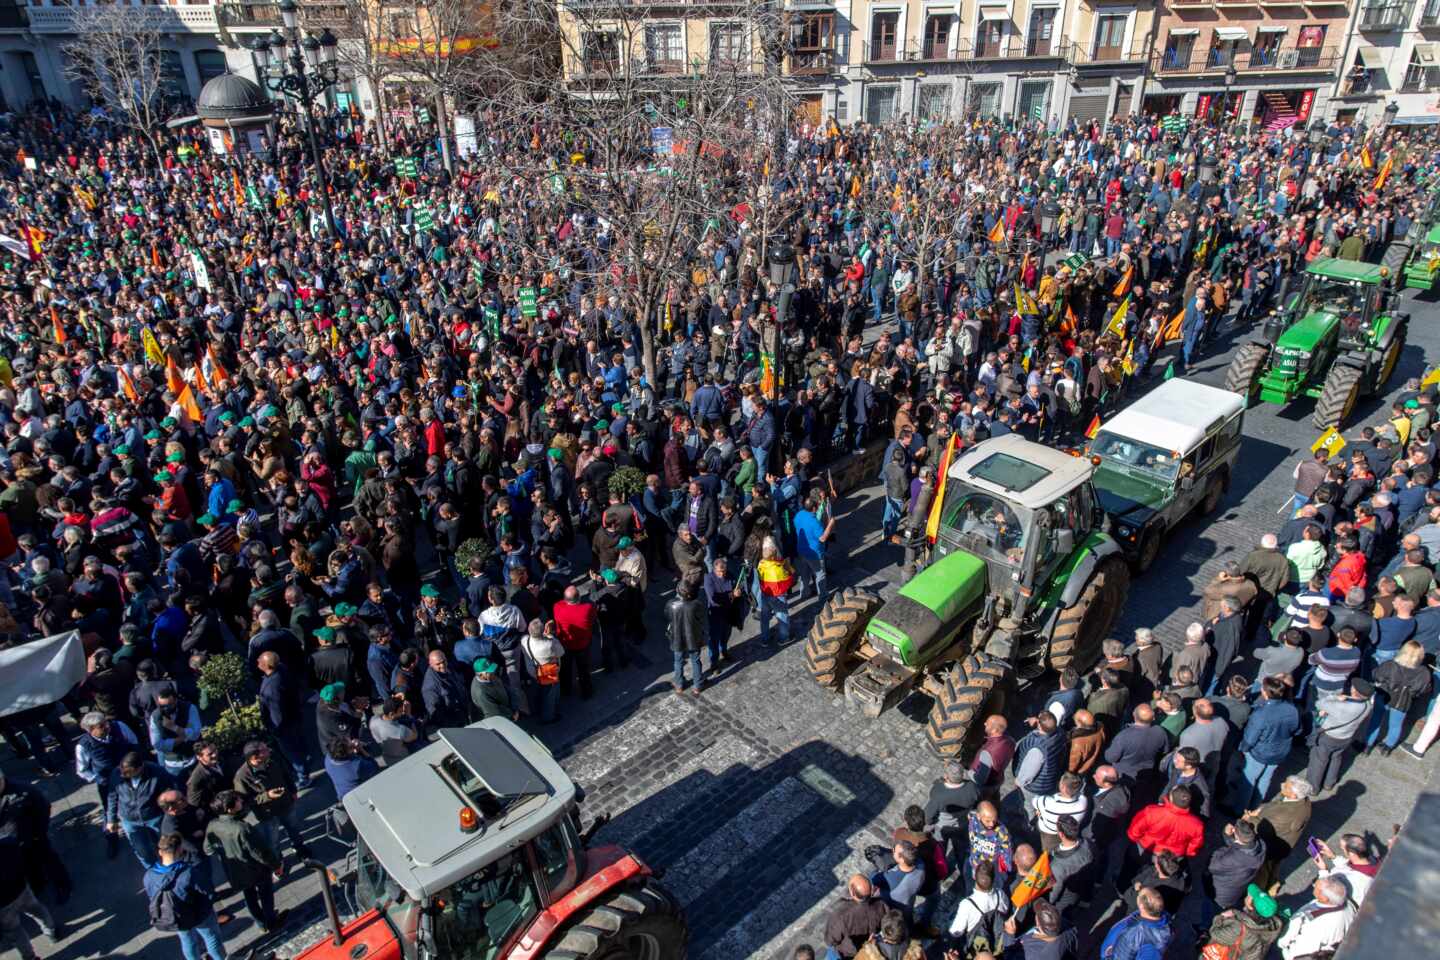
pixel 181 903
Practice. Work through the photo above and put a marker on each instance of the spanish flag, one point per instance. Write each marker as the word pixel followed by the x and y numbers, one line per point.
pixel 174 382
pixel 1123 287
pixel 1384 173
pixel 997 232
pixel 776 577
pixel 60 335
pixel 932 522
pixel 1094 428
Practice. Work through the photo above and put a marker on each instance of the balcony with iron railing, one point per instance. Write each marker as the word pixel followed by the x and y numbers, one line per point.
pixel 1011 48
pixel 266 16
pixel 1430 15
pixel 812 61
pixel 1217 59
pixel 198 18
pixel 1386 15
pixel 1090 54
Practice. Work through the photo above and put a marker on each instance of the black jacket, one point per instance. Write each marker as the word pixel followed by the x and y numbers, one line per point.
pixel 1072 872
pixel 687 624
pixel 1109 815
pixel 1137 750
pixel 1231 870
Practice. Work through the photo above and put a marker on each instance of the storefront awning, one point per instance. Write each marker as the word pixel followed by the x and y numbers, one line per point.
pixel 1231 33
pixel 1271 28
pixel 1371 58
pixel 1184 31
pixel 1000 12
pixel 1427 52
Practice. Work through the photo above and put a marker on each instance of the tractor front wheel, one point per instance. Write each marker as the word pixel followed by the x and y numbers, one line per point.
pixel 641 922
pixel 1243 374
pixel 1083 625
pixel 1391 358
pixel 1337 397
pixel 971 690
pixel 836 632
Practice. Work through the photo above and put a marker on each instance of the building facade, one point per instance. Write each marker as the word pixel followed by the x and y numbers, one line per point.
pixel 1392 57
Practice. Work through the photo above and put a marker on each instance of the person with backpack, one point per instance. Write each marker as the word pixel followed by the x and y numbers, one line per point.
pixel 249 857
pixel 979 922
pixel 181 904
pixel 1143 935
pixel 1245 932
pixel 543 652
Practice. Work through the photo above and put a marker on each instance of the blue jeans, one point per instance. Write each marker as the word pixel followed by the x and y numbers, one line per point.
pixel 813 571
pixel 1388 723
pixel 291 822
pixel 678 676
pixel 144 837
pixel 779 608
pixel 894 513
pixel 1255 783
pixel 205 938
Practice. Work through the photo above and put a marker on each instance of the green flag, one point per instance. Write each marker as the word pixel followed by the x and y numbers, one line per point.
pixel 1170 370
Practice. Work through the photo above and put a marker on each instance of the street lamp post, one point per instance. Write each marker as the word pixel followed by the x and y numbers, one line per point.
pixel 1392 110
pixel 301 68
pixel 1049 214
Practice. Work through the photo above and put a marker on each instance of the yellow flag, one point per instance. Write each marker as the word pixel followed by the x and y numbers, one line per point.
pixel 1366 158
pixel 1384 173
pixel 334 337
pixel 997 232
pixel 153 353
pixel 1330 441
pixel 1127 362
pixel 1117 322
pixel 1431 378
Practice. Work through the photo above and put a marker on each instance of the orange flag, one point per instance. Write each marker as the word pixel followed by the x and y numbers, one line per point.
pixel 187 402
pixel 239 190
pixel 997 232
pixel 1171 330
pixel 1384 173
pixel 128 385
pixel 217 372
pixel 1123 287
pixel 200 380
pixel 60 335
pixel 1068 325
pixel 173 381
pixel 155 256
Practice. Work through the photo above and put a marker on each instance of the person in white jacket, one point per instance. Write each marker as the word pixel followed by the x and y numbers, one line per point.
pixel 1321 924
pixel 984 901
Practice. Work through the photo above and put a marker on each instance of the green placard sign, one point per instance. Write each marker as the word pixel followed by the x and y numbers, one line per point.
pixel 405 167
pixel 477 273
pixel 1075 261
pixel 529 306
pixel 423 115
pixel 424 219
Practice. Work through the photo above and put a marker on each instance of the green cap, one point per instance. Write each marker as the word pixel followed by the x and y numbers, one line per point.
pixel 626 543
pixel 235 506
pixel 554 453
pixel 176 457
pixel 332 692
pixel 325 633
pixel 429 591
pixel 168 422
pixel 227 416
pixel 602 425
pixel 1265 905
pixel 163 477
pixel 486 665
pixel 153 435
pixel 343 609
pixel 247 422
pixel 123 450
pixel 609 575
pixel 206 520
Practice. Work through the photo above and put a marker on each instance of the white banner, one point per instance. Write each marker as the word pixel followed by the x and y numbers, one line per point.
pixel 40 672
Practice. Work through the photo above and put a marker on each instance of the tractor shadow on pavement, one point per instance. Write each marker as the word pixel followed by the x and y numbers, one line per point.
pixel 751 848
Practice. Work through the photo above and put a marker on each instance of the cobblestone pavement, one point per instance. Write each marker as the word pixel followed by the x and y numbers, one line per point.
pixel 758 797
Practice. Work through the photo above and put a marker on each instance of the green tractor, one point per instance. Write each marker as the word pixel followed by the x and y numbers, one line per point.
pixel 1337 340
pixel 1022 581
pixel 1422 266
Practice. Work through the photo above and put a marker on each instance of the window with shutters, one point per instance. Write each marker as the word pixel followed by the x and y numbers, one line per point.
pixel 937 35
pixel 884 28
pixel 1110 36
pixel 600 51
pixel 665 48
pixel 989 36
pixel 813 44
pixel 727 44
pixel 1042 30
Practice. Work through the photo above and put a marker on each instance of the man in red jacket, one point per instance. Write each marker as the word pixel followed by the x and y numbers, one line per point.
pixel 575 626
pixel 1168 825
pixel 1349 571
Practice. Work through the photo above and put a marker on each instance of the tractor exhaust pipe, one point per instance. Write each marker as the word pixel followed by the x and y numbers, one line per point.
pixel 328 894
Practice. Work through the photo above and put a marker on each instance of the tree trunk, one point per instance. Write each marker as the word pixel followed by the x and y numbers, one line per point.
pixel 647 342
pixel 442 125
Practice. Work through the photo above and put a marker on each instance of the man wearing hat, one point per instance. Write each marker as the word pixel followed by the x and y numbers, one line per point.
pixel 488 691
pixel 1250 928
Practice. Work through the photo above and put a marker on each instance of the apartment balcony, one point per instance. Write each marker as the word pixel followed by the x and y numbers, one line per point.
pixel 1385 16
pixel 266 16
pixel 1013 48
pixel 1089 56
pixel 1217 60
pixel 68 20
pixel 811 62
pixel 1430 16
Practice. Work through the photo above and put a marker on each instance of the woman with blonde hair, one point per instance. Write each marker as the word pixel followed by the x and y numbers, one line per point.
pixel 1401 682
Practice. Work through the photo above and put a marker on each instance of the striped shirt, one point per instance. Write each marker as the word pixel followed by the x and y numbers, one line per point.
pixel 1050 809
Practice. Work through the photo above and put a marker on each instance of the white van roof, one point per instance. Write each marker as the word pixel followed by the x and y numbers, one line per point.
pixel 1175 415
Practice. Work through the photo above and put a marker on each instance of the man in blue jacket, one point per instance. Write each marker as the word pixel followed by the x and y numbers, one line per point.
pixel 194 914
pixel 1269 734
pixel 1143 935
pixel 132 804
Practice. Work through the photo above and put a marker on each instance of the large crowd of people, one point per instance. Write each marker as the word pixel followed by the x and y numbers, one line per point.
pixel 417 474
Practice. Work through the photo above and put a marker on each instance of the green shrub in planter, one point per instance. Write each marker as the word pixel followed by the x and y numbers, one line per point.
pixel 235 727
pixel 474 548
pixel 627 482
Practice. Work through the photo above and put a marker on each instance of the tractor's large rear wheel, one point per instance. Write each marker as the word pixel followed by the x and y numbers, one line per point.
pixel 1243 374
pixel 640 922
pixel 971 690
pixel 1337 397
pixel 1391 358
pixel 836 633
pixel 1083 625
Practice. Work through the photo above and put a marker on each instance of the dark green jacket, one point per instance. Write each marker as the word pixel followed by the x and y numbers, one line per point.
pixel 243 848
pixel 491 698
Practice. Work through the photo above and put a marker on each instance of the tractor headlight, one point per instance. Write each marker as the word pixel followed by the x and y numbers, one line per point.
pixel 1125 531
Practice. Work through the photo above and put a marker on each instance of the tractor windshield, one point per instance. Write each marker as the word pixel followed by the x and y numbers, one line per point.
pixel 376 888
pixel 1342 298
pixel 1136 455
pixel 984 524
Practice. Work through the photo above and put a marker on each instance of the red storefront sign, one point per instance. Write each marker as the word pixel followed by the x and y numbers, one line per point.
pixel 1307 100
pixel 1202 108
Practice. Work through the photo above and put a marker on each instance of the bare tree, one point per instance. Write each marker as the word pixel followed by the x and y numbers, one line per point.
pixel 642 145
pixel 366 50
pixel 118 60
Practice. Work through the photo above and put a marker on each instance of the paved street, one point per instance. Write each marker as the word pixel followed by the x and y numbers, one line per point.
pixel 759 797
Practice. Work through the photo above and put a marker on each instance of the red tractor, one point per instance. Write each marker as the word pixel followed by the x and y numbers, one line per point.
pixel 470 849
